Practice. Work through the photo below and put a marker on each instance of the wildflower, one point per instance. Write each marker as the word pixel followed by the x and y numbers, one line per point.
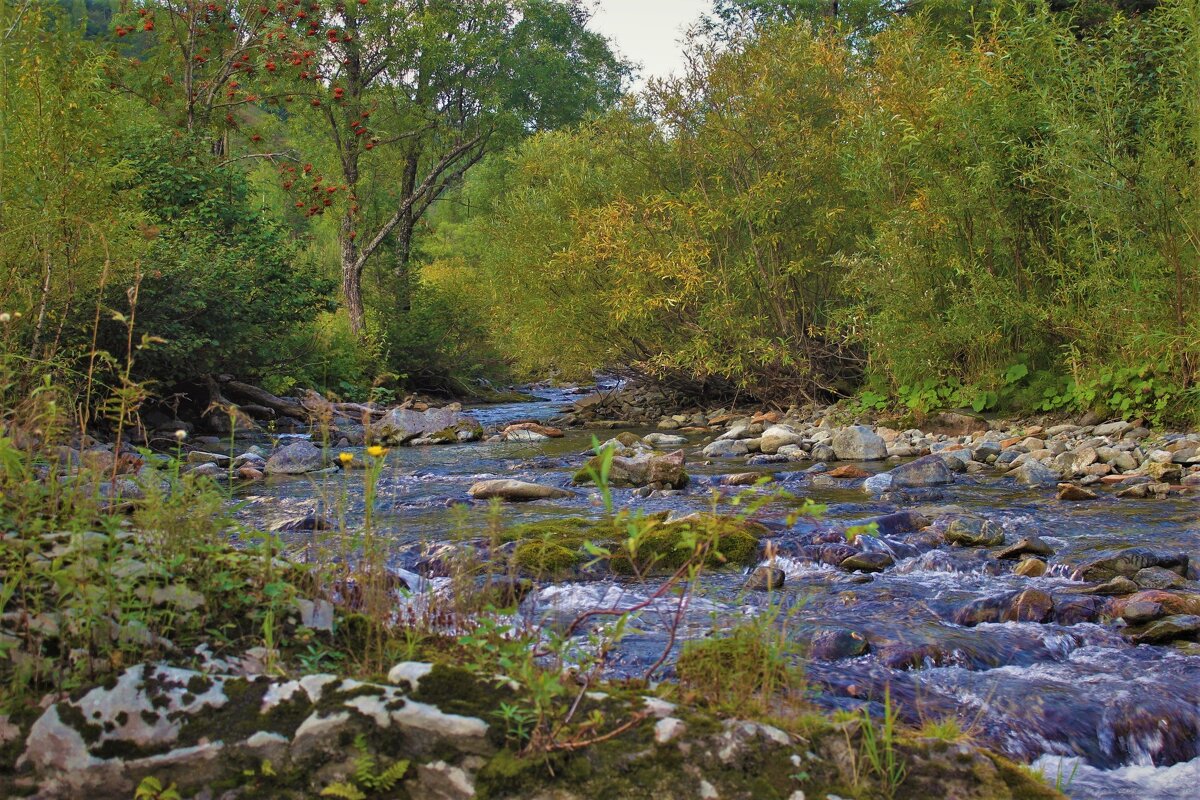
pixel 345 457
pixel 375 451
pixel 180 435
pixel 5 317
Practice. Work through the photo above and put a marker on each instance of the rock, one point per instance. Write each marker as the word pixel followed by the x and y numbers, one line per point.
pixel 848 471
pixel 868 562
pixel 313 521
pixel 404 425
pixel 516 491
pixel 955 423
pixel 1034 473
pixel 207 470
pixel 837 644
pixel 878 484
pixel 665 440
pixel 1069 491
pixel 1178 626
pixel 296 458
pixel 900 523
pixel 926 471
pixel 1128 562
pixel 765 578
pixel 725 448
pixel 1173 602
pixel 746 478
pixel 1159 578
pixel 1112 428
pixel 823 452
pixel 1116 587
pixel 778 436
pixel 1031 568
pixel 668 729
pixel 202 457
pixel 1029 545
pixel 524 435
pixel 316 615
pixel 659 471
pixel 859 443
pixel 970 531
pixel 534 427
pixel 1029 605
pixel 1140 611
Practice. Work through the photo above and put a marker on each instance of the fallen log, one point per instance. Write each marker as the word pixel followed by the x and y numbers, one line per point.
pixel 264 398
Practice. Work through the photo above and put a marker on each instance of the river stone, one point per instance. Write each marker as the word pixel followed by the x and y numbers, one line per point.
pixel 778 436
pixel 1077 610
pixel 1178 626
pixel 665 440
pixel 746 478
pixel 725 448
pixel 536 427
pixel 1029 605
pixel 658 471
pixel 1172 602
pixel 524 435
pixel 955 423
pixel 859 443
pixel 926 471
pixel 1069 491
pixel 1031 568
pixel 765 578
pixel 204 457
pixel 878 484
pixel 837 644
pixel 516 491
pixel 1035 473
pixel 1139 611
pixel 1159 578
pixel 900 523
pixel 970 531
pixel 1128 562
pixel 295 459
pixel 868 562
pixel 404 425
pixel 1116 587
pixel 1029 545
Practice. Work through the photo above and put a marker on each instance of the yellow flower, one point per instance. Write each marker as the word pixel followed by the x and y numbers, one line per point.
pixel 345 458
pixel 375 451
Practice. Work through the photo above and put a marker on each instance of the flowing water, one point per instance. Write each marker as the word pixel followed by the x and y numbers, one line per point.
pixel 1104 718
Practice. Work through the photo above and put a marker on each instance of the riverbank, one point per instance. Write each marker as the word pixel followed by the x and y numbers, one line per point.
pixel 925 582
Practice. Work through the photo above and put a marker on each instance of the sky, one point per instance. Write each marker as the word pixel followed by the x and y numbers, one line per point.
pixel 648 31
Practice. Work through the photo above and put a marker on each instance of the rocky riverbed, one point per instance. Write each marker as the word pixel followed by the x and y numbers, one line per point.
pixel 1035 580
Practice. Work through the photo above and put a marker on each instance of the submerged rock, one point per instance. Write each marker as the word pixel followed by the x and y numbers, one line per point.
pixel 837 644
pixel 867 562
pixel 1178 626
pixel 765 579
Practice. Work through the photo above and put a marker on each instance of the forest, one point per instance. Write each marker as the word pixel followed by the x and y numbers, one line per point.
pixel 992 204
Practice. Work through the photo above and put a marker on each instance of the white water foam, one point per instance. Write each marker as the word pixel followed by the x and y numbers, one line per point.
pixel 1082 782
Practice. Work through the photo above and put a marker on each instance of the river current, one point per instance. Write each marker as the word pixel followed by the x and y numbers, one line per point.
pixel 1099 716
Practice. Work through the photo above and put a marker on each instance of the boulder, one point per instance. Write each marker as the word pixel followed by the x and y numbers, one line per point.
pixel 1030 605
pixel 725 448
pixel 1035 473
pixel 1072 492
pixel 1027 546
pixel 837 644
pixel 658 471
pixel 859 443
pixel 765 579
pixel 404 425
pixel 516 491
pixel 296 458
pixel 778 436
pixel 925 471
pixel 665 440
pixel 1127 563
pixel 971 531
pixel 1031 568
pixel 867 562
pixel 1178 626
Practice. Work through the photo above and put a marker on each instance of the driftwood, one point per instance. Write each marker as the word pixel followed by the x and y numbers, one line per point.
pixel 264 398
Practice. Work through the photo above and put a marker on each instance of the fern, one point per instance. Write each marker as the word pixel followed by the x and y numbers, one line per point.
pixel 346 791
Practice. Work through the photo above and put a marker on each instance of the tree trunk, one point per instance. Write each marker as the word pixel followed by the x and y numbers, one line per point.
pixel 352 280
pixel 404 231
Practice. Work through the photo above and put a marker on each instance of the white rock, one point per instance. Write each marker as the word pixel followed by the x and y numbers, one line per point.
pixel 668 729
pixel 409 672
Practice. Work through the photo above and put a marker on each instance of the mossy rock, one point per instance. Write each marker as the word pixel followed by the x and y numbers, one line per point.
pixel 557 546
pixel 546 558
